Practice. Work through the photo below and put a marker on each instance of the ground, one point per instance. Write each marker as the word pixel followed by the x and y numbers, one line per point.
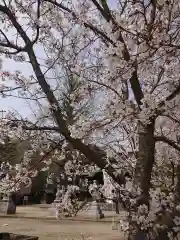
pixel 61 230
pixel 35 222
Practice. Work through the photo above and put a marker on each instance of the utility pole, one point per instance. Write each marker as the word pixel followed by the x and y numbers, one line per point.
pixel 2 113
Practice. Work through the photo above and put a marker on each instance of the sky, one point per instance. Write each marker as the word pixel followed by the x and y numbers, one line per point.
pixel 22 107
pixel 15 104
pixel 12 103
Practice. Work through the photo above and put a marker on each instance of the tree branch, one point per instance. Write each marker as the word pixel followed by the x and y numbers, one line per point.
pixel 87 25
pixel 45 128
pixel 45 156
pixel 37 24
pixel 168 98
pixel 18 27
pixel 136 88
pixel 104 11
pixel 9 44
pixel 171 143
pixel 161 72
pixel 134 81
pixel 106 8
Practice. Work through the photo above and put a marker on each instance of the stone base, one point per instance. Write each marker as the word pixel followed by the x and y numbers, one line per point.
pixel 49 198
pixel 56 201
pixel 11 236
pixel 53 206
pixel 104 206
pixel 93 210
pixel 108 206
pixel 7 207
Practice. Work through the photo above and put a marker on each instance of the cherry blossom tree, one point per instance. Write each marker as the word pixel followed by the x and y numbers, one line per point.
pixel 128 56
pixel 87 150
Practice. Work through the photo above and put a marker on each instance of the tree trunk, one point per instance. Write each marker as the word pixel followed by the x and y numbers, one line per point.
pixel 177 190
pixel 143 170
pixel 145 158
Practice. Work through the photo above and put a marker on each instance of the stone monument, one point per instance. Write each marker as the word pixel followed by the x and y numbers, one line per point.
pixel 95 211
pixel 7 205
pixel 59 194
pixel 96 208
pixel 108 186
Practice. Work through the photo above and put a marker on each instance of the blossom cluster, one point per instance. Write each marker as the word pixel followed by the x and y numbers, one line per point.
pixel 68 205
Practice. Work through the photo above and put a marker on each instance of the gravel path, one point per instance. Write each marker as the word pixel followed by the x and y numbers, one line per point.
pixel 62 230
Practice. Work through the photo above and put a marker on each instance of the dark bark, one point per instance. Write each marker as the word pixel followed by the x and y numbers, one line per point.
pixel 177 190
pixel 173 173
pixel 145 158
pixel 143 170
